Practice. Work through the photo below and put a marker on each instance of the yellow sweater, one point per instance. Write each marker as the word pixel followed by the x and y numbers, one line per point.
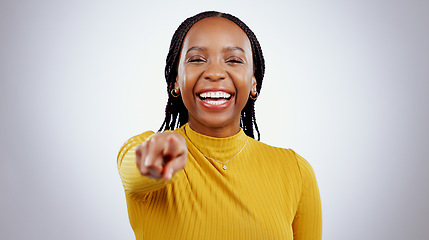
pixel 265 192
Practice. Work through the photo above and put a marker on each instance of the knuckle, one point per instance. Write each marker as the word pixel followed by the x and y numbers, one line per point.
pixel 147 160
pixel 154 138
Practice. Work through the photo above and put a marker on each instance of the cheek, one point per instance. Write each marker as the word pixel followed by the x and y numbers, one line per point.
pixel 186 82
pixel 244 82
pixel 181 78
pixel 247 86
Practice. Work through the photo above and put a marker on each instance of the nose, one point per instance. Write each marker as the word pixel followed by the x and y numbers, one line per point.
pixel 214 72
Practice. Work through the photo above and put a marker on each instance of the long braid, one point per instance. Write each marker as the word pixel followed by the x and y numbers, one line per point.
pixel 176 113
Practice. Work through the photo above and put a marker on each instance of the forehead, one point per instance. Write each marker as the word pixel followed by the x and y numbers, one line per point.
pixel 216 30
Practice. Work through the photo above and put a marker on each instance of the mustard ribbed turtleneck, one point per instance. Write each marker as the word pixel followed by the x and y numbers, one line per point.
pixel 265 193
pixel 221 149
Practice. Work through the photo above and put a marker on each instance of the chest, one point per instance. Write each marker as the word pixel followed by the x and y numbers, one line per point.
pixel 256 204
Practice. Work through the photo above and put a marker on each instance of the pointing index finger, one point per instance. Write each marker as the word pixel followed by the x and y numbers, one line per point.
pixel 171 147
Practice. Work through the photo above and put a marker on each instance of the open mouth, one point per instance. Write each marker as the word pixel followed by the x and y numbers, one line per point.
pixel 215 97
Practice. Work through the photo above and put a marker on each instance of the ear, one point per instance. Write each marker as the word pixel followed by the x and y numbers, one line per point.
pixel 176 84
pixel 254 83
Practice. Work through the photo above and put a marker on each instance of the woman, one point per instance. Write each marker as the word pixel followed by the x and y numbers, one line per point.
pixel 208 178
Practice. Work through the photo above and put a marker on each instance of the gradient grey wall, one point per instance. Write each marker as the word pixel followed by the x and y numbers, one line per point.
pixel 346 87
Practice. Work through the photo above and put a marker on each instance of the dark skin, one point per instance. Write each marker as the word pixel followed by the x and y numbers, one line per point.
pixel 216 60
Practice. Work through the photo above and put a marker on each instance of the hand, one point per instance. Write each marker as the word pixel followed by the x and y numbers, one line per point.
pixel 163 155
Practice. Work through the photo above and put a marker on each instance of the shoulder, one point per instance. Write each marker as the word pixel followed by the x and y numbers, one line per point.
pixel 282 154
pixel 304 166
pixel 285 156
pixel 132 142
pixel 307 175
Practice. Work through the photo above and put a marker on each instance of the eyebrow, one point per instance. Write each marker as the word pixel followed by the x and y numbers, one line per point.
pixel 235 49
pixel 198 48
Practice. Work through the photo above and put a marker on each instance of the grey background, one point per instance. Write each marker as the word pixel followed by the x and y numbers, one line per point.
pixel 346 87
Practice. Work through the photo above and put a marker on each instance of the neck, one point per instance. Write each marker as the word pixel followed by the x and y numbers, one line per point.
pixel 217 131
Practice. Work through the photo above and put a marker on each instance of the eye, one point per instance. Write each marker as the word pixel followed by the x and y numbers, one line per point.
pixel 234 60
pixel 196 59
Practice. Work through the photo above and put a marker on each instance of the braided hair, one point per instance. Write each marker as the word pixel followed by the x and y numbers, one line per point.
pixel 176 113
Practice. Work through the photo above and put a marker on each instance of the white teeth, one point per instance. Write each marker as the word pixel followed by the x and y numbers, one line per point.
pixel 216 102
pixel 217 94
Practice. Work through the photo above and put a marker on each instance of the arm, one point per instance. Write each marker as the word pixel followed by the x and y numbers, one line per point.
pixel 132 180
pixel 307 224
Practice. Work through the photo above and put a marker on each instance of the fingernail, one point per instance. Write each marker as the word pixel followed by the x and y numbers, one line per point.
pixel 170 174
pixel 146 161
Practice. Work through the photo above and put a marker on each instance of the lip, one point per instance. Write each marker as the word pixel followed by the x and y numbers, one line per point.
pixel 215 107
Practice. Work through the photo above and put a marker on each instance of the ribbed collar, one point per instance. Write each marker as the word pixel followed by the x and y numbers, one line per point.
pixel 221 149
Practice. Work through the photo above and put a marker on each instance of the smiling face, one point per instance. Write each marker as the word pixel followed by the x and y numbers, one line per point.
pixel 215 76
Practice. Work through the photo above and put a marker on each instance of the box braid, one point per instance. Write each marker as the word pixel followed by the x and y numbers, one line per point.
pixel 176 113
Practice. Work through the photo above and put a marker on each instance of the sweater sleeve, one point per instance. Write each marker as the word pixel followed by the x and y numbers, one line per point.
pixel 307 224
pixel 134 183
